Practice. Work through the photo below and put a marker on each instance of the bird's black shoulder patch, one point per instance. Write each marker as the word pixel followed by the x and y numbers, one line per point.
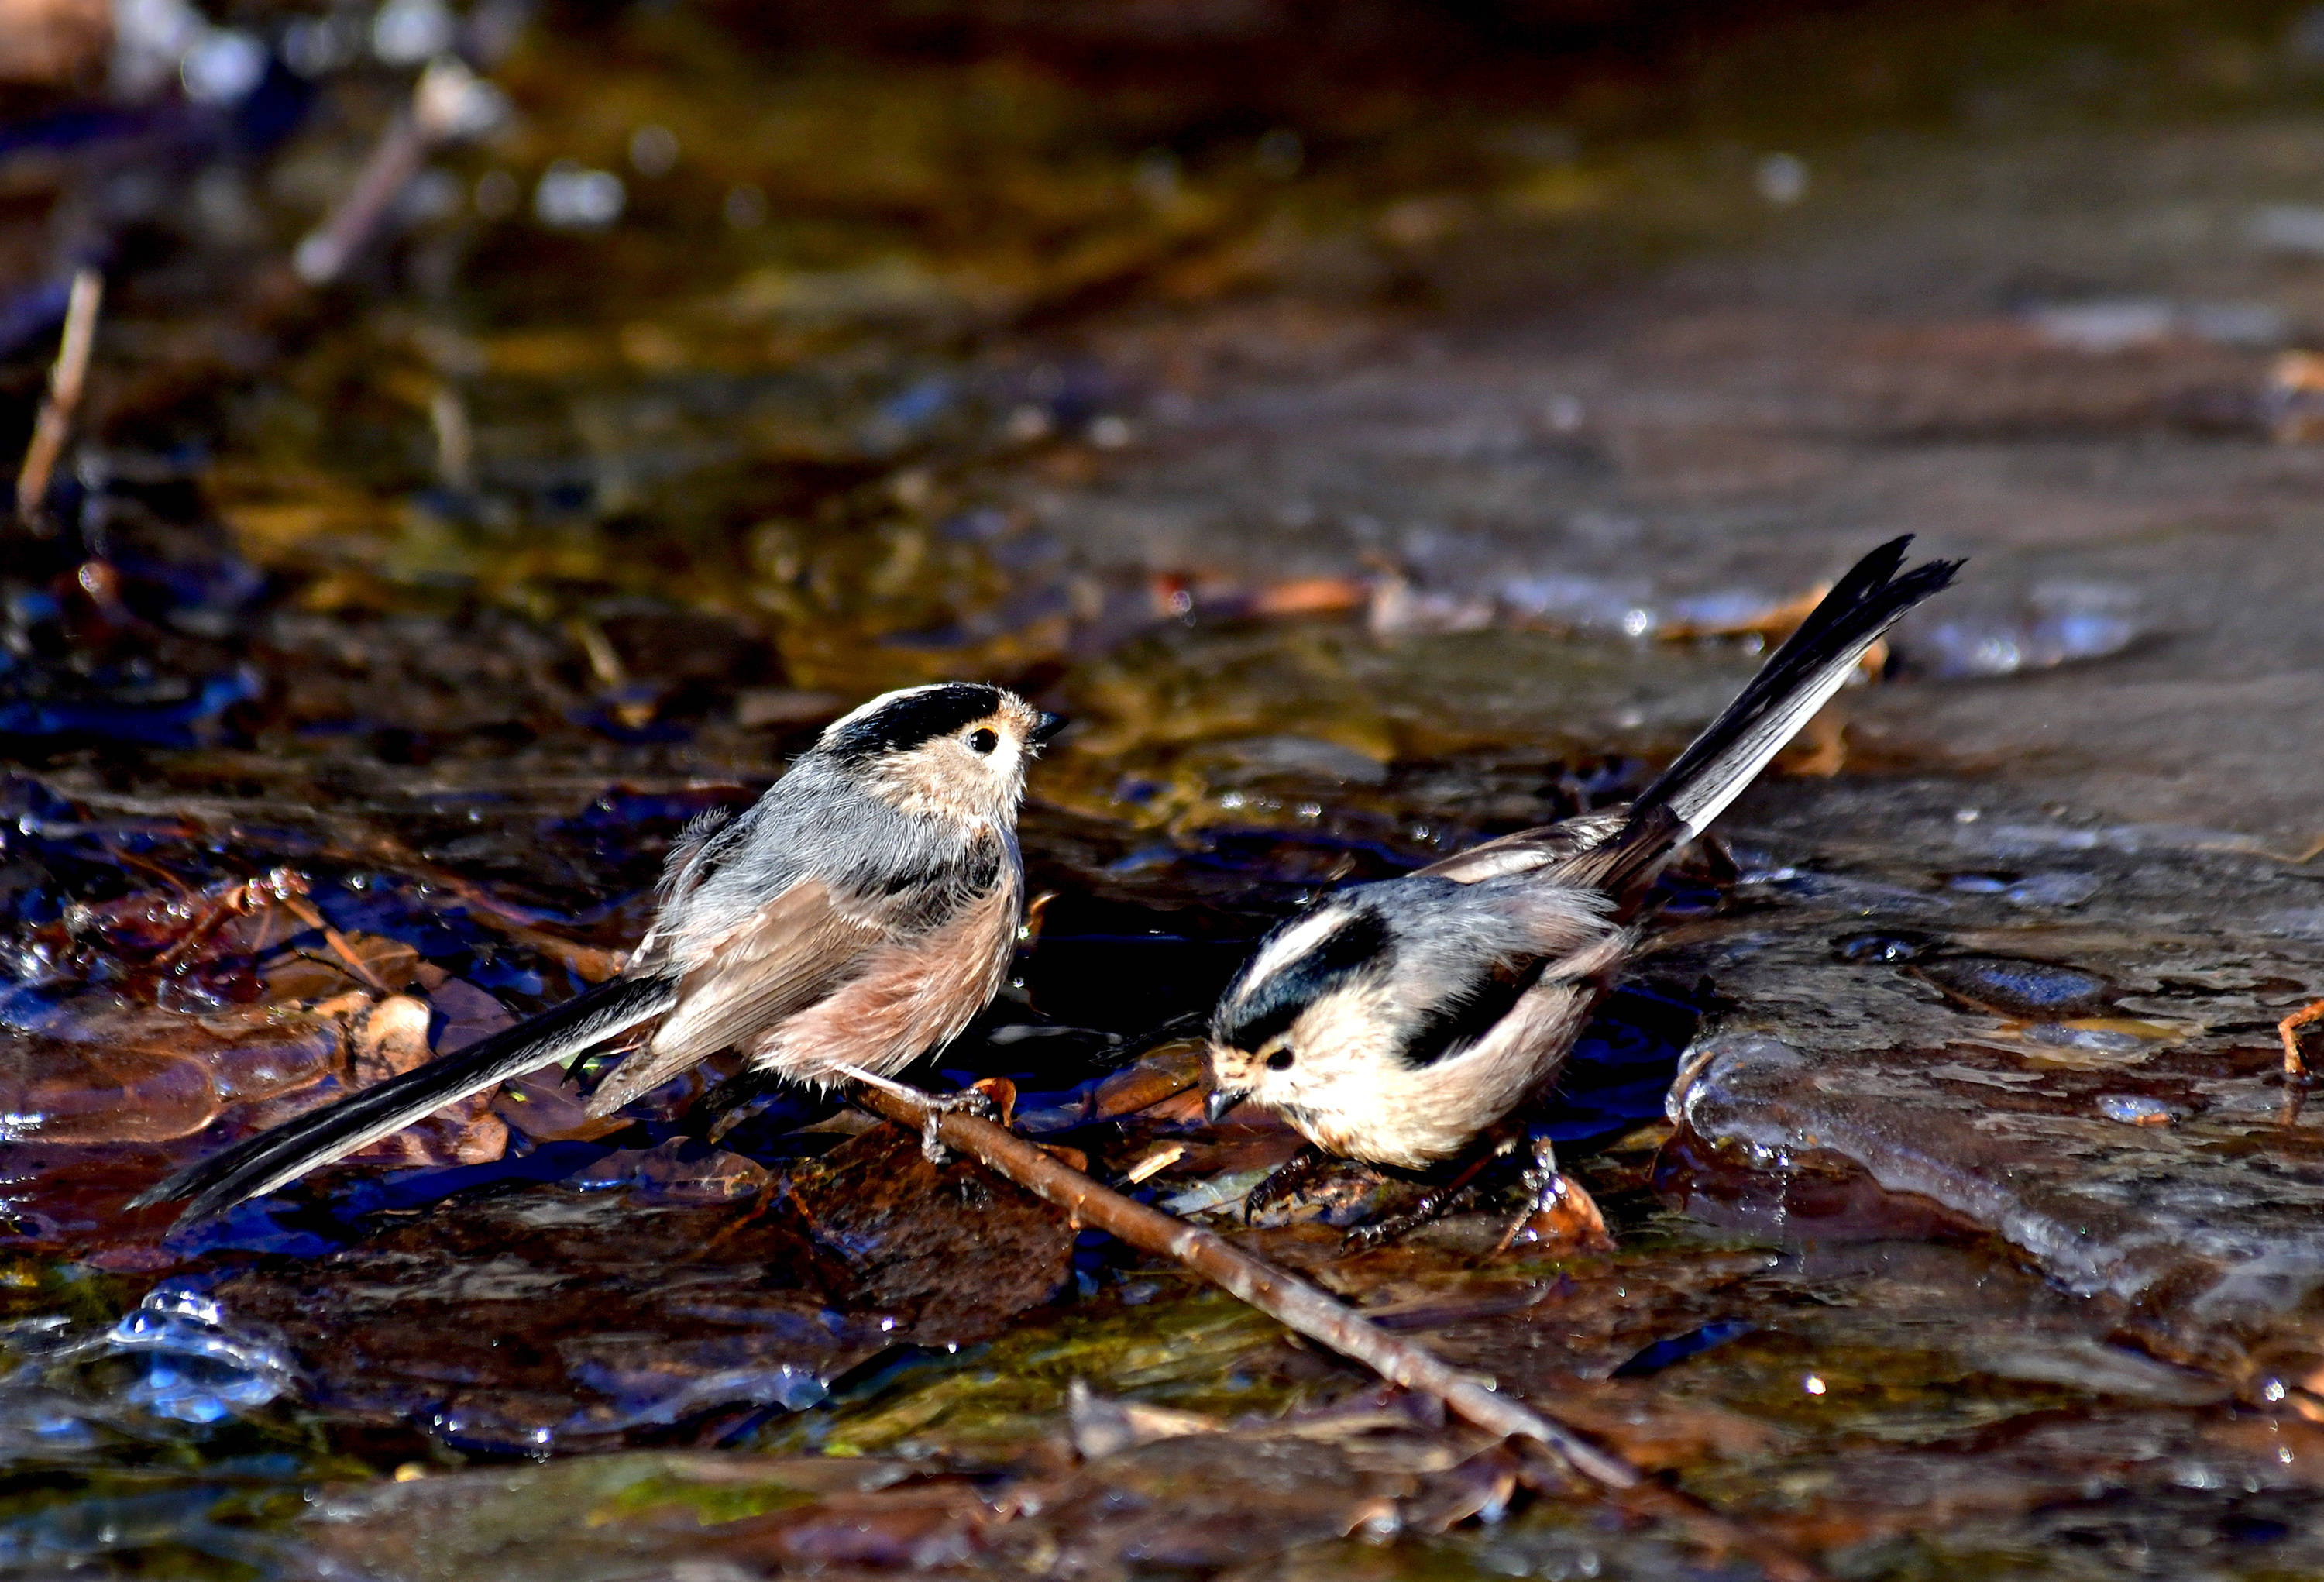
pixel 1248 1021
pixel 915 718
pixel 1459 1019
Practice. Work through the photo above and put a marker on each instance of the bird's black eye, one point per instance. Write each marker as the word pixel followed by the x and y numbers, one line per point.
pixel 1280 1061
pixel 982 741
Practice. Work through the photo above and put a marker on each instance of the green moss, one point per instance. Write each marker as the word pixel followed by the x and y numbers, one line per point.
pixel 1200 1351
pixel 709 1503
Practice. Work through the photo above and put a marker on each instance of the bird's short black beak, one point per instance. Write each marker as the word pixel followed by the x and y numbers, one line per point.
pixel 1220 1100
pixel 1046 726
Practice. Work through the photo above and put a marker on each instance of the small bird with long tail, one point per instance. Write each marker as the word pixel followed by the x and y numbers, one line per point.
pixel 860 914
pixel 1397 1023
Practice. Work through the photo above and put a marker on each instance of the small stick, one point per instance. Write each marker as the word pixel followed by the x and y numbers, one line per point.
pixel 65 381
pixel 341 946
pixel 430 120
pixel 2295 1069
pixel 1303 1308
pixel 326 251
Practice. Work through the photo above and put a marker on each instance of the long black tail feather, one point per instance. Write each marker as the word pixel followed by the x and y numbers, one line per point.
pixel 1794 682
pixel 274 1158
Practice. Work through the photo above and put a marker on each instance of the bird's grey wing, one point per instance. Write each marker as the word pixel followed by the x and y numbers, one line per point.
pixel 691 856
pixel 1521 1052
pixel 1528 849
pixel 791 952
pixel 1465 955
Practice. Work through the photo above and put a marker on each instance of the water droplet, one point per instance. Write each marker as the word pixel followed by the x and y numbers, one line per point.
pixel 570 198
pixel 1781 178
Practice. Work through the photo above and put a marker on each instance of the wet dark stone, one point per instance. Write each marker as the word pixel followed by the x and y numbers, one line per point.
pixel 948 1248
pixel 2018 987
pixel 1664 1353
pixel 2244 1528
pixel 531 1323
pixel 53 1092
pixel 1183 1503
pixel 545 1320
pixel 1879 947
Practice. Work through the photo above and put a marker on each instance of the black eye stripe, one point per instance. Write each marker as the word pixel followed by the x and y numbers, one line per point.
pixel 915 718
pixel 1247 1021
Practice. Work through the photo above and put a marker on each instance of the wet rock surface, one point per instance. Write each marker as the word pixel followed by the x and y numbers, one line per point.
pixel 1366 476
pixel 2124 1119
pixel 530 1325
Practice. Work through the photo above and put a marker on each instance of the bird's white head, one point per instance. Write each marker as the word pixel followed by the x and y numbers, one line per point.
pixel 953 749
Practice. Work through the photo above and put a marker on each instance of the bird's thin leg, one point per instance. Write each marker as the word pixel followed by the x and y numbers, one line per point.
pixel 2295 1069
pixel 1556 1202
pixel 967 1100
pixel 1290 1177
pixel 938 1105
pixel 1432 1204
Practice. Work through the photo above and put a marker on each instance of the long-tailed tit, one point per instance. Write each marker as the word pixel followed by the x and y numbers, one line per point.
pixel 1396 1022
pixel 860 914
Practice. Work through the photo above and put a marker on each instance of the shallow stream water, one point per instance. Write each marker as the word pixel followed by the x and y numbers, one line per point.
pixel 1377 437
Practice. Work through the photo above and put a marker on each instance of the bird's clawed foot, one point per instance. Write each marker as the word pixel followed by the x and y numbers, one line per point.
pixel 1287 1180
pixel 1431 1206
pixel 968 1101
pixel 1559 1210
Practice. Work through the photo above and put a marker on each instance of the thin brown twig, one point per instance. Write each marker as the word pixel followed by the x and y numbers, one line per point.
pixel 1310 1312
pixel 341 946
pixel 397 155
pixel 432 119
pixel 66 379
